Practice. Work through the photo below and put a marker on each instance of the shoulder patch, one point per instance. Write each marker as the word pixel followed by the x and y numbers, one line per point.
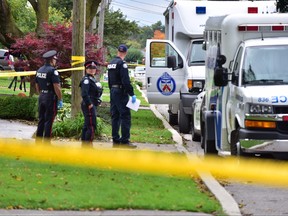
pixel 56 73
pixel 125 65
pixel 86 81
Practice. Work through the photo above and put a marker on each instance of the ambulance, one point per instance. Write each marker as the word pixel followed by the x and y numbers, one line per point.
pixel 184 26
pixel 246 88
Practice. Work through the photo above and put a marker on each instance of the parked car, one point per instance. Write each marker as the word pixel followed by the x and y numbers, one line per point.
pixel 6 60
pixel 196 116
pixel 140 71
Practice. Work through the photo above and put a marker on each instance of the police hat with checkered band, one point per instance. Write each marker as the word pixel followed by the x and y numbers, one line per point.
pixel 91 64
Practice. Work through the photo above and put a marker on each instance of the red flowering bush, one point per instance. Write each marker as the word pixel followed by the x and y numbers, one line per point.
pixel 55 37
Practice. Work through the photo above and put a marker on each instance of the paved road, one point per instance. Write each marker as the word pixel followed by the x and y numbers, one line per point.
pixel 251 198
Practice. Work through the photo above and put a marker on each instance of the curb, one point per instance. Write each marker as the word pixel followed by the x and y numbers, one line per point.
pixel 228 203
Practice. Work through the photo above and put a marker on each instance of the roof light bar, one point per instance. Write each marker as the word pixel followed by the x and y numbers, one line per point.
pixel 263 28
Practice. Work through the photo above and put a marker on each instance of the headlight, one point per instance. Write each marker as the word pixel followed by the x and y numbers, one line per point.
pixel 197 84
pixel 260 109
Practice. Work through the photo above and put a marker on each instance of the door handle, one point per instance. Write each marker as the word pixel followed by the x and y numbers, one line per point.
pixel 149 81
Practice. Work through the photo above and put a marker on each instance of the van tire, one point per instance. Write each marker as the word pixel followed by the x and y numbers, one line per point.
pixel 184 120
pixel 209 147
pixel 234 140
pixel 195 137
pixel 173 119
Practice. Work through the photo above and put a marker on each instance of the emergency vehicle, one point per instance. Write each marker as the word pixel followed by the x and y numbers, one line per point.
pixel 184 27
pixel 246 85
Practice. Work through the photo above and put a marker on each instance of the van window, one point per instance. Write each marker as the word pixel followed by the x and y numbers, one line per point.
pixel 159 53
pixel 197 54
pixel 236 66
pixel 266 64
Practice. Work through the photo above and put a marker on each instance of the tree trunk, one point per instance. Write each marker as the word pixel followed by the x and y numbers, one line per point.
pixel 8 28
pixel 41 8
pixel 78 49
pixel 91 9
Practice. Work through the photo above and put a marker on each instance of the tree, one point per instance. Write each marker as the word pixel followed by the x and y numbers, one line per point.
pixel 158 35
pixel 117 30
pixel 58 37
pixel 147 32
pixel 8 26
pixel 134 55
pixel 282 6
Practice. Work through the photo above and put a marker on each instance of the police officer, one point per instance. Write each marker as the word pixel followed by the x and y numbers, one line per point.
pixel 120 90
pixel 91 92
pixel 48 86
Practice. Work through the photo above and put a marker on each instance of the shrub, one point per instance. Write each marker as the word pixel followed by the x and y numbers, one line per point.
pixel 14 107
pixel 72 127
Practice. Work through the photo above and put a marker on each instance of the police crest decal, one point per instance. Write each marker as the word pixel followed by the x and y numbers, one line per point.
pixel 166 84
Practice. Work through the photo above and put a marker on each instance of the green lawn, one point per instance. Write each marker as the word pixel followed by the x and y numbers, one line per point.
pixel 35 185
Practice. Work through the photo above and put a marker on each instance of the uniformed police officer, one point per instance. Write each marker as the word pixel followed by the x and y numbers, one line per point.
pixel 49 89
pixel 91 92
pixel 120 90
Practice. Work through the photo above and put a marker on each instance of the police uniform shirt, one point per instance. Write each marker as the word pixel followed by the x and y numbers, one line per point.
pixel 91 90
pixel 118 75
pixel 46 76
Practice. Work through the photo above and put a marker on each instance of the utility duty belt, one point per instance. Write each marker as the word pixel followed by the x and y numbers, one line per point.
pixel 116 86
pixel 46 91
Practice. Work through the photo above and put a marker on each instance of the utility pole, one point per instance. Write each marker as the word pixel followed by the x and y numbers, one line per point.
pixel 78 52
pixel 103 5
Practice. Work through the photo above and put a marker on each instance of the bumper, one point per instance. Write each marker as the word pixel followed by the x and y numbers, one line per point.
pixel 263 142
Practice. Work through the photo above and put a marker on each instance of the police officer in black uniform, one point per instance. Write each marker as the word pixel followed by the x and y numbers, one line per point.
pixel 120 90
pixel 48 86
pixel 91 92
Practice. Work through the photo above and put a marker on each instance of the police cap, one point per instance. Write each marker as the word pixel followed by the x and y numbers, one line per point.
pixel 122 48
pixel 91 64
pixel 50 54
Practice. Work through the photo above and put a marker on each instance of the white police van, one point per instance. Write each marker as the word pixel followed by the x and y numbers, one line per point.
pixel 184 26
pixel 246 85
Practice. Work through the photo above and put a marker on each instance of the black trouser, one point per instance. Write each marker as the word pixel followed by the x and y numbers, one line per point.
pixel 89 127
pixel 47 107
pixel 121 115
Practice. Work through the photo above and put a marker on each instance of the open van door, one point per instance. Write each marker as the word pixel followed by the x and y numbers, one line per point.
pixel 164 81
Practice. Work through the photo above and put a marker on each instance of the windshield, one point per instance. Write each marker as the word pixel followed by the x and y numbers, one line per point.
pixel 197 53
pixel 265 65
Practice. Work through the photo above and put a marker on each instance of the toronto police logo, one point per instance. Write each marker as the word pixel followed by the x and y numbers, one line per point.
pixel 166 84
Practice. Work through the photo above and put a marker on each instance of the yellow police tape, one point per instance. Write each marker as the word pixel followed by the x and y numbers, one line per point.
pixel 77 60
pixel 30 73
pixel 258 171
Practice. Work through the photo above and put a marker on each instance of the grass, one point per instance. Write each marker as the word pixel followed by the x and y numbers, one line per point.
pixel 5 82
pixel 34 185
pixel 31 185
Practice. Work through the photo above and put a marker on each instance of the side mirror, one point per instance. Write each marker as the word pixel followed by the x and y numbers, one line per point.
pixel 171 62
pixel 204 45
pixel 220 73
pixel 220 76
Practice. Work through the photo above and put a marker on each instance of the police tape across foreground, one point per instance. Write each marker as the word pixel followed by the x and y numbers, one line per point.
pixel 266 172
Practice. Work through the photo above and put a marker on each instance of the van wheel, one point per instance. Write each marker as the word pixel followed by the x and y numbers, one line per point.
pixel 234 140
pixel 209 147
pixel 195 137
pixel 173 119
pixel 184 120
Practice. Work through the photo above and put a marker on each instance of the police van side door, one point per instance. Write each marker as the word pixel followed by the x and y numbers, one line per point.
pixel 163 84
